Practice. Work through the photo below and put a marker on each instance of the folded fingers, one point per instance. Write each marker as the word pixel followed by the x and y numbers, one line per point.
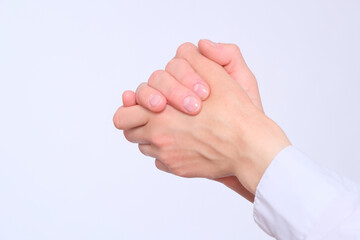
pixel 183 72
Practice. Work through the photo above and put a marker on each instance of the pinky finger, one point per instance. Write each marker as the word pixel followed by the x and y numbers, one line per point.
pixel 147 150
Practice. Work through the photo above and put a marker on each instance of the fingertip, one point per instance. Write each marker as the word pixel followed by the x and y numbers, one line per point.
pixel 128 93
pixel 128 98
pixel 192 105
pixel 202 90
pixel 150 98
pixel 217 52
pixel 156 102
pixel 117 118
pixel 130 117
pixel 207 43
pixel 184 49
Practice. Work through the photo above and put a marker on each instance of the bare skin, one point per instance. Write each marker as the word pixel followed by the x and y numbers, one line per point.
pixel 231 136
pixel 227 55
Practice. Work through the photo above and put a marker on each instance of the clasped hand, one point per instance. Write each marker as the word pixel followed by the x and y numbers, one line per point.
pixel 202 117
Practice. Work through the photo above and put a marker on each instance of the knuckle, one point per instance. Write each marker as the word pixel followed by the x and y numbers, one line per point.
pixel 172 161
pixel 141 148
pixel 170 65
pixel 144 149
pixel 161 140
pixel 158 164
pixel 174 63
pixel 127 135
pixel 140 92
pixel 140 87
pixel 180 171
pixel 163 156
pixel 156 77
pixel 175 91
pixel 184 48
pixel 234 48
pixel 191 78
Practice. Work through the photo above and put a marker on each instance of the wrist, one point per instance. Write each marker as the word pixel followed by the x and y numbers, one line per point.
pixel 250 176
pixel 264 146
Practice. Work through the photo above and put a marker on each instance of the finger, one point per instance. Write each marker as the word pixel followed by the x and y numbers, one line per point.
pixel 130 117
pixel 147 150
pixel 177 95
pixel 161 166
pixel 185 74
pixel 128 98
pixel 150 98
pixel 224 54
pixel 137 135
pixel 230 57
pixel 215 75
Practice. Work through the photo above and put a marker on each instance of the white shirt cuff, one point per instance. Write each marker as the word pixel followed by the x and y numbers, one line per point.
pixel 294 193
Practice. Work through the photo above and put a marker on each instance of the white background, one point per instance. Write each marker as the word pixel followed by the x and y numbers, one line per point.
pixel 67 173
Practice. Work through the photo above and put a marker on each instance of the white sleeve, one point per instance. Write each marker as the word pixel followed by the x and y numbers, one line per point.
pixel 298 199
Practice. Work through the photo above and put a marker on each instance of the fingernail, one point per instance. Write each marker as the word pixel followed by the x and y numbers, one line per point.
pixel 191 104
pixel 155 100
pixel 210 43
pixel 201 90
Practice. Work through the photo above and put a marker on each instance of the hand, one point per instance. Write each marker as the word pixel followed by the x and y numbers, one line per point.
pixel 229 137
pixel 227 55
pixel 188 83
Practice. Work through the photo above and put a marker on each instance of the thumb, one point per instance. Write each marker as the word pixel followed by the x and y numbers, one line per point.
pixel 230 57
